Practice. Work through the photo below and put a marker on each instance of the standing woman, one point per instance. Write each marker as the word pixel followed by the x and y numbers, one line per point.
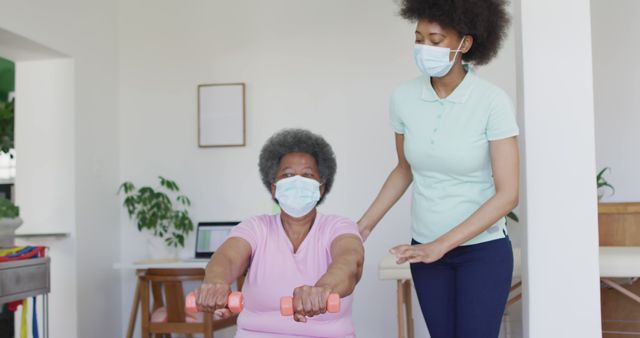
pixel 456 141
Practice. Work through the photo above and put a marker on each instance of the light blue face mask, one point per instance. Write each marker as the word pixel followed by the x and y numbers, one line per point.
pixel 297 195
pixel 434 61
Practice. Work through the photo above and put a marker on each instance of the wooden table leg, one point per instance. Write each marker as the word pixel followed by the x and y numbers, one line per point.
pixel 144 311
pixel 515 298
pixel 400 309
pixel 134 310
pixel 408 307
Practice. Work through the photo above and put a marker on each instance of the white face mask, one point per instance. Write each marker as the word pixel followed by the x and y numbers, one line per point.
pixel 297 195
pixel 434 61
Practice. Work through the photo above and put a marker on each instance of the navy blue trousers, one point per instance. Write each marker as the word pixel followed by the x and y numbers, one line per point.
pixel 464 294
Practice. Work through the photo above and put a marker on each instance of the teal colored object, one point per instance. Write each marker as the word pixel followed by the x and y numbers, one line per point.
pixel 446 142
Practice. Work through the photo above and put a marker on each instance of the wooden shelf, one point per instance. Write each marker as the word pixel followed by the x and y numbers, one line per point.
pixel 619 208
pixel 619 224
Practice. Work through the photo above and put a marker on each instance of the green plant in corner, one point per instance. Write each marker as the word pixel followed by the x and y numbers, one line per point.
pixel 6 126
pixel 8 209
pixel 601 182
pixel 154 210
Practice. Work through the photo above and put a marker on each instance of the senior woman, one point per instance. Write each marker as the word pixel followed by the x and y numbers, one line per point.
pixel 456 142
pixel 298 252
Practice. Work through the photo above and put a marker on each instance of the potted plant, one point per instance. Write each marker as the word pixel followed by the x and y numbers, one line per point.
pixel 6 126
pixel 162 211
pixel 9 221
pixel 602 183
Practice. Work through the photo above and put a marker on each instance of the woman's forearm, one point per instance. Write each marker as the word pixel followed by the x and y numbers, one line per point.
pixel 342 276
pixel 488 214
pixel 228 263
pixel 220 269
pixel 345 270
pixel 394 187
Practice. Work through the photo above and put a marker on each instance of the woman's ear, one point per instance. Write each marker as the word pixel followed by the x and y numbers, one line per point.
pixel 467 43
pixel 273 190
pixel 322 190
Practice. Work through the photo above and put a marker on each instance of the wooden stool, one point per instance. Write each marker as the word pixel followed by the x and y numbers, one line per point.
pixel 388 269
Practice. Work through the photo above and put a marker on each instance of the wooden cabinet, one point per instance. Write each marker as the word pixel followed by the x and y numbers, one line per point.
pixel 619 225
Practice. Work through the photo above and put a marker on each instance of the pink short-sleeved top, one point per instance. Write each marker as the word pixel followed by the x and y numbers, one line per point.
pixel 275 271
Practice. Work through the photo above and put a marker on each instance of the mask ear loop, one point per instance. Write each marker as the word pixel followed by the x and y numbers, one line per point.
pixel 458 50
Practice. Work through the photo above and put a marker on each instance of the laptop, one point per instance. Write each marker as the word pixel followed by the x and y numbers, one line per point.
pixel 210 236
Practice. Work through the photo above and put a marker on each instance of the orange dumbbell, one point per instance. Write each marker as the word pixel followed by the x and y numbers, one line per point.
pixel 235 303
pixel 286 304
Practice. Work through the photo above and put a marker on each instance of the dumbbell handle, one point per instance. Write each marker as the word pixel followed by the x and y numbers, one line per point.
pixel 286 304
pixel 235 302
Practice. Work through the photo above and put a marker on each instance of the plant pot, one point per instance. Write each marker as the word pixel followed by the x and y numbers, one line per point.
pixel 8 228
pixel 158 249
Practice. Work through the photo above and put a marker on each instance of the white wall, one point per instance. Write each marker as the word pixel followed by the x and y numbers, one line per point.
pixel 555 83
pixel 45 139
pixel 327 66
pixel 86 32
pixel 616 86
pixel 45 180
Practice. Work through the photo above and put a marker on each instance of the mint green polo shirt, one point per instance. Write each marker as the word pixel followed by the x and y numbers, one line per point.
pixel 446 142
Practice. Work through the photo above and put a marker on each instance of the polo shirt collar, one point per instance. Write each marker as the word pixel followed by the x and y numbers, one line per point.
pixel 459 95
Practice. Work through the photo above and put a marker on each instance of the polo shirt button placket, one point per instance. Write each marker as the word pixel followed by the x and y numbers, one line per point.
pixel 435 130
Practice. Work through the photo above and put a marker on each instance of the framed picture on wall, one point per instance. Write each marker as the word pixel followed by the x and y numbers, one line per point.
pixel 221 115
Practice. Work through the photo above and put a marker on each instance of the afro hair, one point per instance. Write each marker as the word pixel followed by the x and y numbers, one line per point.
pixel 486 21
pixel 297 141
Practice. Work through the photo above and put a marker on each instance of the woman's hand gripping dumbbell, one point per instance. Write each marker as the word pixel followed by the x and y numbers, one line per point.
pixel 309 301
pixel 215 298
pixel 306 302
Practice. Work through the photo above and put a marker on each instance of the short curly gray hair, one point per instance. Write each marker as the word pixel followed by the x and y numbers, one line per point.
pixel 297 141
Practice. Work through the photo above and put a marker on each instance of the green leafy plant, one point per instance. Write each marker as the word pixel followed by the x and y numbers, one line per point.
pixel 6 126
pixel 154 210
pixel 8 209
pixel 601 181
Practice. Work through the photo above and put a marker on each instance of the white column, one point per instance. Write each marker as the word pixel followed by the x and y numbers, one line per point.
pixel 561 289
pixel 45 179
